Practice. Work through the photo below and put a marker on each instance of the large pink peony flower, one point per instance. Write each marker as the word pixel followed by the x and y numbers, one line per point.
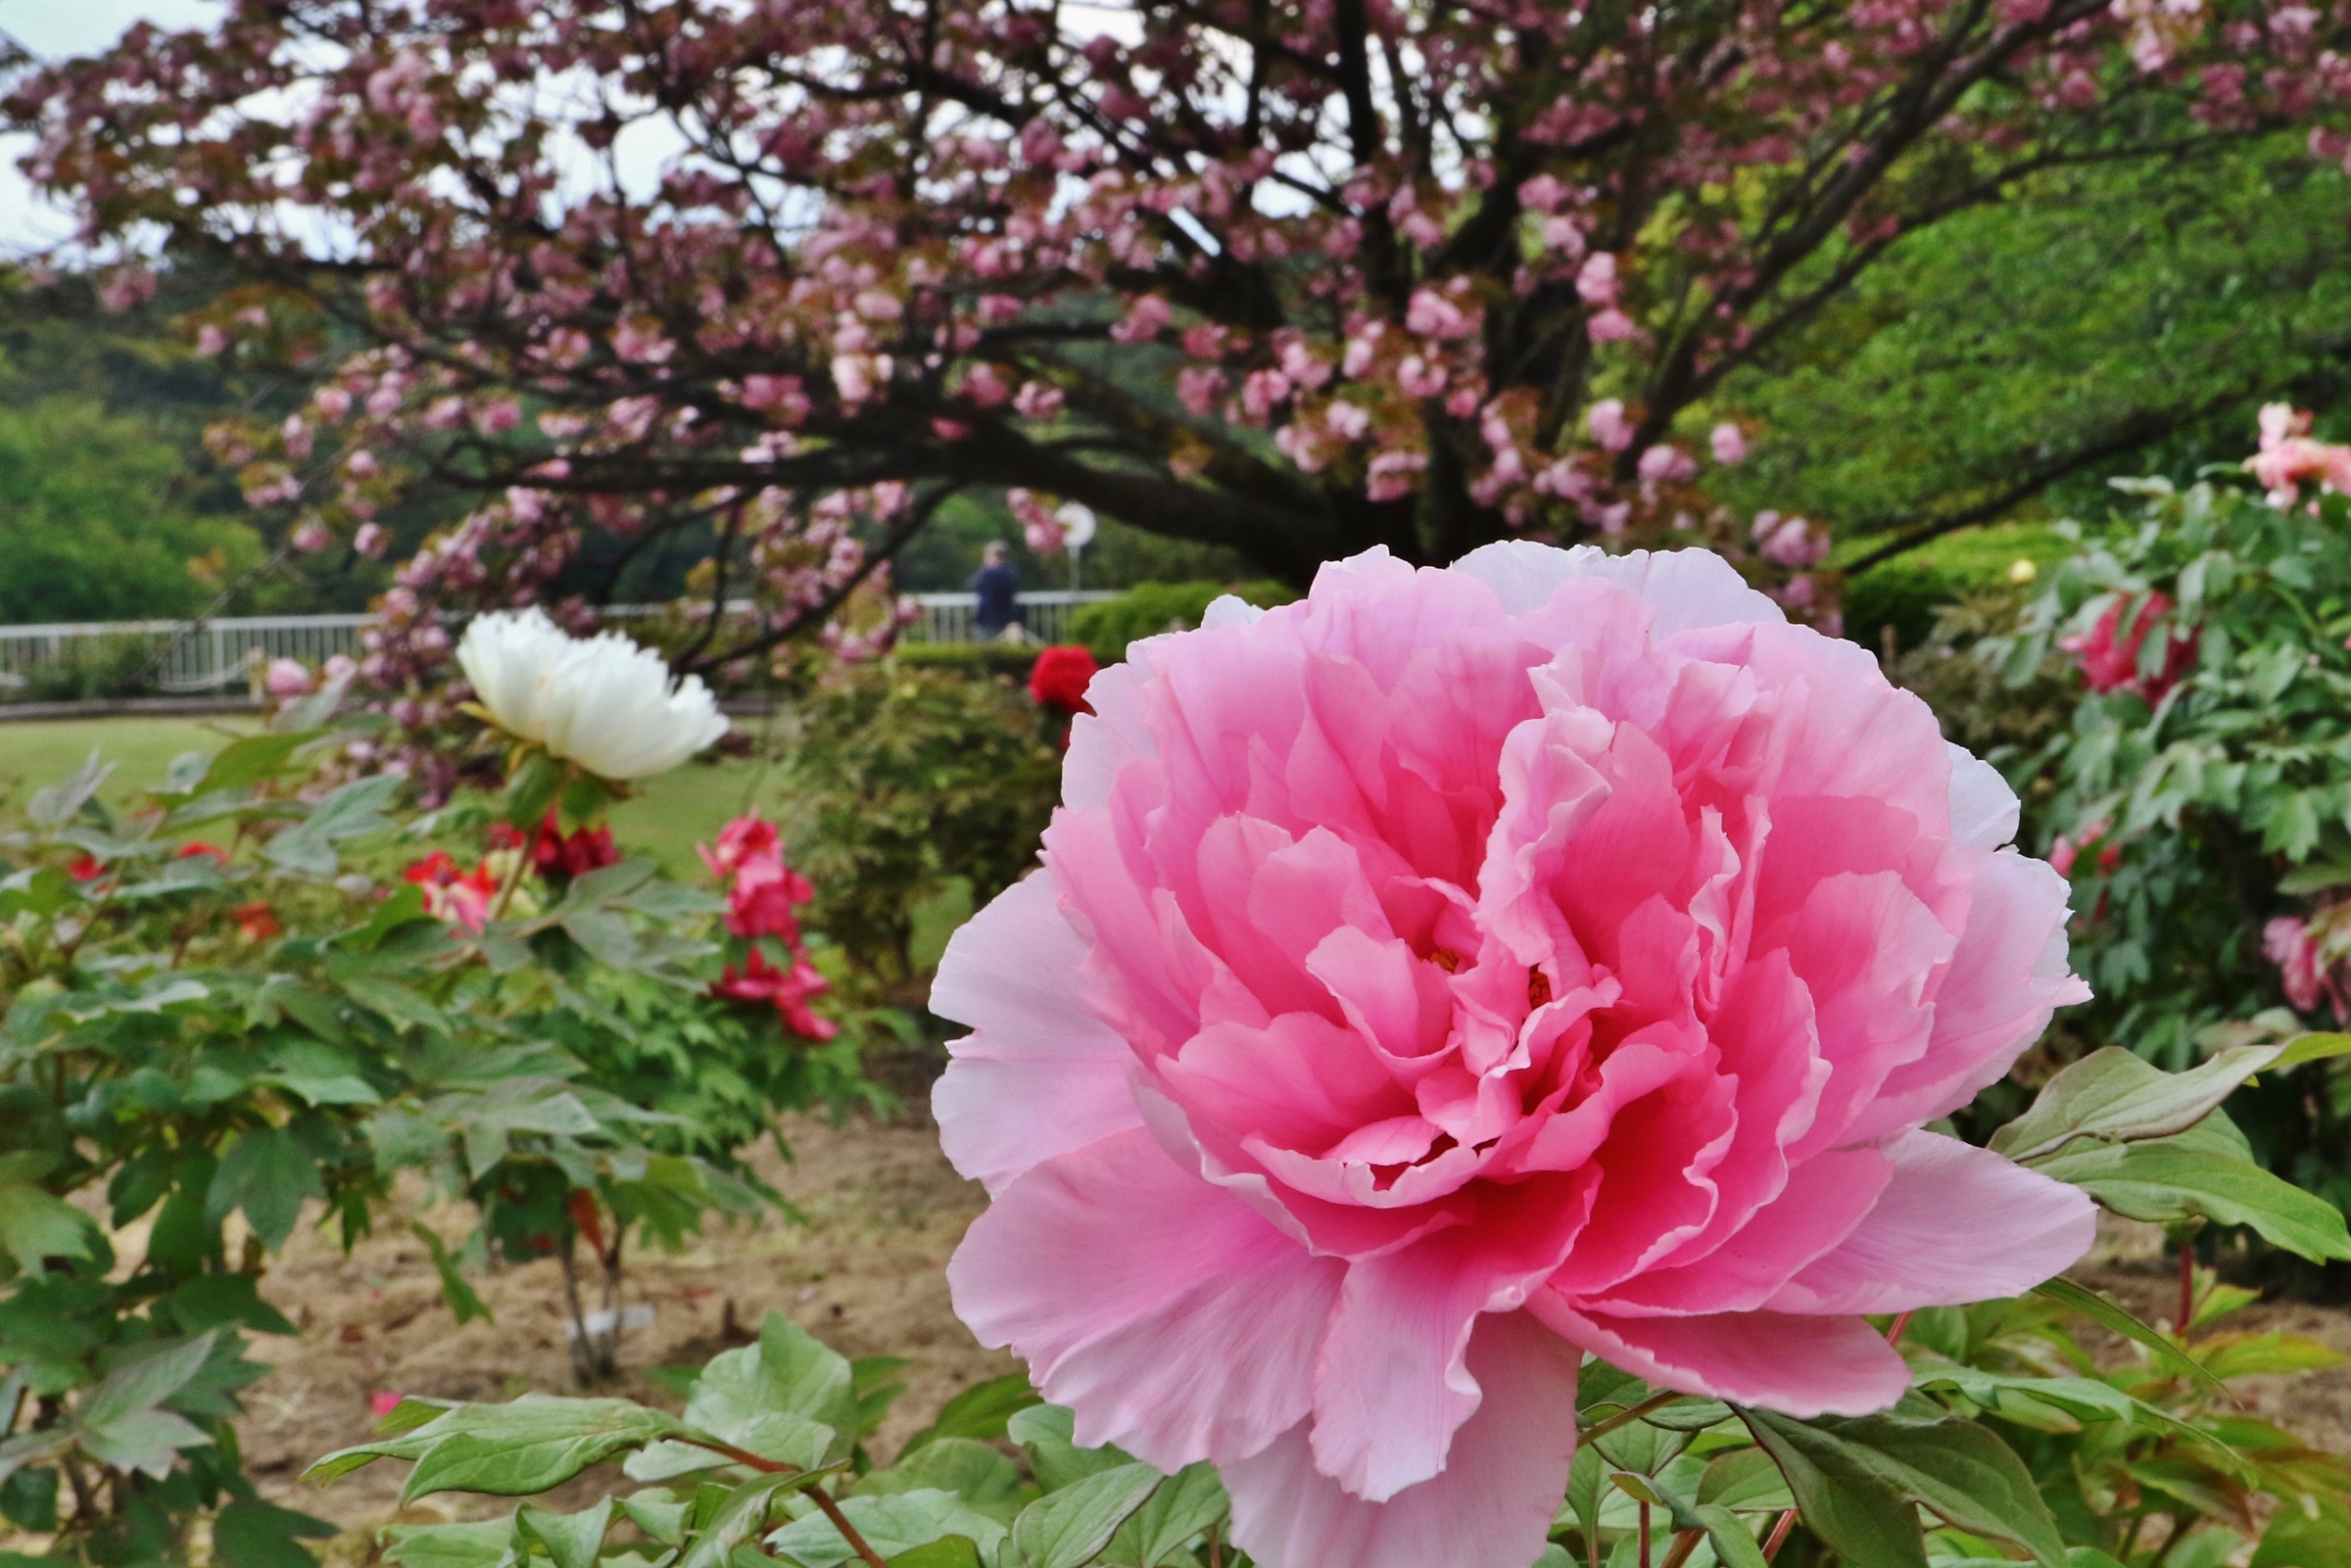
pixel 1459 971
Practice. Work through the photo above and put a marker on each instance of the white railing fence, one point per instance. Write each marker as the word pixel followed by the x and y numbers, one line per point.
pixel 198 656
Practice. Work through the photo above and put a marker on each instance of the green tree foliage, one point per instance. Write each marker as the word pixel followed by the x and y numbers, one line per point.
pixel 96 522
pixel 2112 319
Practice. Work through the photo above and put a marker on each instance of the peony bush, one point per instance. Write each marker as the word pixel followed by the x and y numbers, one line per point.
pixel 253 996
pixel 1466 1086
pixel 2197 797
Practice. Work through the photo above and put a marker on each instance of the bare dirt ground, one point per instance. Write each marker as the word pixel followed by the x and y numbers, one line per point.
pixel 865 1275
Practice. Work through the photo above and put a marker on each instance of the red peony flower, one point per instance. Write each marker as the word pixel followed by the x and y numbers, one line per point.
pixel 2109 651
pixel 555 854
pixel 195 847
pixel 255 922
pixel 787 989
pixel 1060 677
pixel 84 867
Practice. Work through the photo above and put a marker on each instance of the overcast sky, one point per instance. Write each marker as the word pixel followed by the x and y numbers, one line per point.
pixel 57 29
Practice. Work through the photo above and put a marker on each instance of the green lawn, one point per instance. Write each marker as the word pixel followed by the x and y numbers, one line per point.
pixel 667 818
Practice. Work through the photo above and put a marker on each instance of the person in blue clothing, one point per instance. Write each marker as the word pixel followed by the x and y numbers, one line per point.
pixel 997 581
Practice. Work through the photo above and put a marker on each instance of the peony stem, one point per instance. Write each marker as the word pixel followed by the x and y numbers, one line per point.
pixel 1779 1535
pixel 1683 1545
pixel 1216 1555
pixel 1645 1563
pixel 2187 1288
pixel 522 864
pixel 766 1466
pixel 1894 1333
pixel 1625 1418
pixel 848 1531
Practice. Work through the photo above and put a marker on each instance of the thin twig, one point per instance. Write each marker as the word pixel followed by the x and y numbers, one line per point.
pixel 1600 1429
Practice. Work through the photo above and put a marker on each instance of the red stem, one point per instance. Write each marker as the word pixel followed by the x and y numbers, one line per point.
pixel 1893 1335
pixel 1779 1535
pixel 841 1521
pixel 1645 1535
pixel 1683 1545
pixel 2187 1288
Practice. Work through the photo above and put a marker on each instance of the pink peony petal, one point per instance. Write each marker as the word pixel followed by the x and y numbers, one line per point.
pixel 1865 947
pixel 1173 1321
pixel 1800 1366
pixel 2008 975
pixel 1823 1200
pixel 1690 587
pixel 1007 974
pixel 1983 810
pixel 1492 1505
pixel 1957 1223
pixel 1393 1382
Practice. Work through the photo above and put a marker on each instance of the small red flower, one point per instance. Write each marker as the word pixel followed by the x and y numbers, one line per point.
pixel 1059 679
pixel 85 868
pixel 256 922
pixel 195 847
pixel 787 989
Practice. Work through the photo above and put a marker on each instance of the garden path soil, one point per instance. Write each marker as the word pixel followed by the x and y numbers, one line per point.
pixel 865 1275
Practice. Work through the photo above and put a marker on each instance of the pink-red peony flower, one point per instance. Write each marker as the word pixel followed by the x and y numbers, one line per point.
pixel 2303 971
pixel 255 922
pixel 460 897
pixel 746 839
pixel 762 900
pixel 787 989
pixel 2109 651
pixel 1059 677
pixel 1459 971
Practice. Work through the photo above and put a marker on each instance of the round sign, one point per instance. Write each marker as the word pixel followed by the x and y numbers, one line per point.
pixel 1077 520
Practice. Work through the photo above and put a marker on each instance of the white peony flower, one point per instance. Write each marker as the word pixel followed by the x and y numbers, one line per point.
pixel 603 702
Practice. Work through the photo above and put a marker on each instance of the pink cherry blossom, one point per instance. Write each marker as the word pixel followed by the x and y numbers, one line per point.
pixel 1462 970
pixel 1667 463
pixel 285 678
pixel 1728 443
pixel 1607 424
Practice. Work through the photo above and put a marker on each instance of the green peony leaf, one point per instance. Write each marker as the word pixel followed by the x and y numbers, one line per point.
pixel 1065 1529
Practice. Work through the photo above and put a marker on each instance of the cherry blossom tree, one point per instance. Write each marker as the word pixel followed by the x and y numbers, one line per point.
pixel 1299 279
